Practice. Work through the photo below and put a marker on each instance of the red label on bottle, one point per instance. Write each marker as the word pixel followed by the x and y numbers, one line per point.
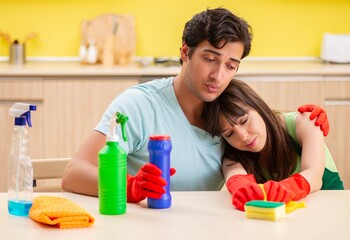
pixel 159 137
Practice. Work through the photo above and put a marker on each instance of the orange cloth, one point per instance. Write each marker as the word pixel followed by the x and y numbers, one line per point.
pixel 60 212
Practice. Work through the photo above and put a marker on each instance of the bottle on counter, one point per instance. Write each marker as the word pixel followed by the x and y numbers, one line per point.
pixel 82 52
pixel 112 171
pixel 20 174
pixel 91 54
pixel 17 53
pixel 159 148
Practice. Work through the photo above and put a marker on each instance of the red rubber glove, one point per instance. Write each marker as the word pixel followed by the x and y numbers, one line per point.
pixel 146 183
pixel 244 188
pixel 317 111
pixel 293 188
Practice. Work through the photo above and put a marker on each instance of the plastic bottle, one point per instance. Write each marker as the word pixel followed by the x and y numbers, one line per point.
pixel 112 171
pixel 159 148
pixel 82 52
pixel 20 175
pixel 91 54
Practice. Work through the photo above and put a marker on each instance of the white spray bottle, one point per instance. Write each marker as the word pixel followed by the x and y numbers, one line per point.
pixel 20 175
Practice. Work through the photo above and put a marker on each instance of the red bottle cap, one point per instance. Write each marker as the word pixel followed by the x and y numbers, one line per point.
pixel 159 137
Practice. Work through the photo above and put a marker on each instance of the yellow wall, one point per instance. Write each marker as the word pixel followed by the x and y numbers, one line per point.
pixel 281 27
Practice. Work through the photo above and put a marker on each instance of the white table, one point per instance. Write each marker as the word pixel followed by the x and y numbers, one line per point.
pixel 193 215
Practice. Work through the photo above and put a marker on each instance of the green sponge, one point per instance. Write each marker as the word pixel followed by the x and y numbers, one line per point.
pixel 266 210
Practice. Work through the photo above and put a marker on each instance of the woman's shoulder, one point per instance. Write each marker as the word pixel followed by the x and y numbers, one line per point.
pixel 292 119
pixel 288 119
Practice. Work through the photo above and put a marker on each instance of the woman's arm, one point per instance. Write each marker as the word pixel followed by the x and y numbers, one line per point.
pixel 230 168
pixel 313 159
pixel 241 185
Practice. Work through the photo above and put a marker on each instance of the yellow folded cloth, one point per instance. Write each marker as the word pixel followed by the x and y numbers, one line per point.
pixel 60 212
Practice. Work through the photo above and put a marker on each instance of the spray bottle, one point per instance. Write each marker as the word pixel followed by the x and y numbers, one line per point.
pixel 20 175
pixel 112 171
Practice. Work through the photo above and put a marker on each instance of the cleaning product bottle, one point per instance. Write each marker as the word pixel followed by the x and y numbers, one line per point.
pixel 91 54
pixel 82 52
pixel 112 171
pixel 159 148
pixel 20 184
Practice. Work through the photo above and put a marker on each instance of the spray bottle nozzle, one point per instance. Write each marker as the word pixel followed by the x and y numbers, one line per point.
pixel 21 112
pixel 121 119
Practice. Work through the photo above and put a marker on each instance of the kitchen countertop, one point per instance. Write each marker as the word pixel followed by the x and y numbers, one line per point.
pixel 193 215
pixel 247 68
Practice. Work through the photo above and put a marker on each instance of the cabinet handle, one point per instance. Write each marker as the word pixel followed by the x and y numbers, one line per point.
pixel 337 102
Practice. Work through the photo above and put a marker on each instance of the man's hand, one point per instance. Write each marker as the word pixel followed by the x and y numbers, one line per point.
pixel 146 183
pixel 317 111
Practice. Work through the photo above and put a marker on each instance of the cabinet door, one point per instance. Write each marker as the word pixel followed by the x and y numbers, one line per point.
pixel 73 107
pixel 27 90
pixel 337 104
pixel 338 140
pixel 284 93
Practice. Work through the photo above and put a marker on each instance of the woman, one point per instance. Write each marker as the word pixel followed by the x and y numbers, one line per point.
pixel 285 152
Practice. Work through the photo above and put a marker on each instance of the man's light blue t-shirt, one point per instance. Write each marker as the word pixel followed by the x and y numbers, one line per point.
pixel 152 108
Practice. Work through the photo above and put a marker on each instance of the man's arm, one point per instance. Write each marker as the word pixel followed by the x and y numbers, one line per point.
pixel 81 173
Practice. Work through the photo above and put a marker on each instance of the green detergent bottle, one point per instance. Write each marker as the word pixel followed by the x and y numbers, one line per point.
pixel 112 171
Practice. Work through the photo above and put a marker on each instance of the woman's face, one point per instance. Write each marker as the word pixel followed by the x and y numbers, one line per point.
pixel 249 134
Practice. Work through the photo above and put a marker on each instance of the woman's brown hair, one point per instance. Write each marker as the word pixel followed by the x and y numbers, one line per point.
pixel 281 157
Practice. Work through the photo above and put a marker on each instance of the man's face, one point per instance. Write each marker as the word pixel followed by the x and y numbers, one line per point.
pixel 209 70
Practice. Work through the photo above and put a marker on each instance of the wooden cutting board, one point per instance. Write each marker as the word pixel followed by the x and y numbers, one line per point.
pixel 116 28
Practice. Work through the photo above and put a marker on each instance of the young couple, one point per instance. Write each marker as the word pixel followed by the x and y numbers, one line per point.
pixel 213 44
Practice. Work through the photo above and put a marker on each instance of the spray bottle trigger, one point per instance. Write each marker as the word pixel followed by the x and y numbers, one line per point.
pixel 121 119
pixel 28 118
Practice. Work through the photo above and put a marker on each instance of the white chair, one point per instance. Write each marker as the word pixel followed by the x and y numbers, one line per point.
pixel 48 173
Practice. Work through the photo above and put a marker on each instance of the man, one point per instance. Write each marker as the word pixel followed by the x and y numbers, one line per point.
pixel 213 44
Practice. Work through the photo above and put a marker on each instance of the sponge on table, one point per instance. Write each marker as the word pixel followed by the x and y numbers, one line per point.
pixel 266 210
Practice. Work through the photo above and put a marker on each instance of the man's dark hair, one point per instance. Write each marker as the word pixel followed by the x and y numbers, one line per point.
pixel 217 25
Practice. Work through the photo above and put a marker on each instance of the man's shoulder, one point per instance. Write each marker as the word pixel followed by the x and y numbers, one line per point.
pixel 153 86
pixel 151 94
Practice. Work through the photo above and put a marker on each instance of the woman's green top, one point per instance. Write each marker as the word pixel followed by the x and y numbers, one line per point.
pixel 330 179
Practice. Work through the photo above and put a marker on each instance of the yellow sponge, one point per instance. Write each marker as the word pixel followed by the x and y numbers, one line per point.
pixel 259 209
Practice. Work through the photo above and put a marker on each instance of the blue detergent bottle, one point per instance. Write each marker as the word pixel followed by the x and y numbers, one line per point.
pixel 159 148
pixel 20 174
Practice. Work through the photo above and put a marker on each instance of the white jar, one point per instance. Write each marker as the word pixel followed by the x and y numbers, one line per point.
pixel 91 56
